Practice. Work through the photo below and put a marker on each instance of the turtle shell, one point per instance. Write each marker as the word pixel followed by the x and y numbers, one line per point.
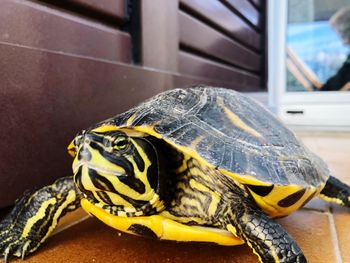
pixel 229 131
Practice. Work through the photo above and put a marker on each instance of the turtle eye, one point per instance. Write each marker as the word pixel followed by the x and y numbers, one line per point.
pixel 121 143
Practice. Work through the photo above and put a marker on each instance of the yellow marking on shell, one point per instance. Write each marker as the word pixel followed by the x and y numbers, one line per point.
pixel 332 200
pixel 236 120
pixel 268 203
pixel 244 178
pixel 150 130
pixel 196 141
pixel 144 129
pixel 131 119
pixel 39 215
pixel 163 227
pixel 105 128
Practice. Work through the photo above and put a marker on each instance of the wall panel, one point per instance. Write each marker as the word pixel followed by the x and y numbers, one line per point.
pixel 68 64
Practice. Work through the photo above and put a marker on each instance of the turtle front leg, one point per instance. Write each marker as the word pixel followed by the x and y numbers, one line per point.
pixel 269 241
pixel 35 216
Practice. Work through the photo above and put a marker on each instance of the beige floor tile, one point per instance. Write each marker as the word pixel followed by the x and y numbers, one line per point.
pixel 342 222
pixel 311 231
pixel 334 149
pixel 317 204
pixel 92 241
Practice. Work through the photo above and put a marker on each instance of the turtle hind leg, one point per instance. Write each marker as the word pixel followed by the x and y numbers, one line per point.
pixel 336 191
pixel 269 241
pixel 35 216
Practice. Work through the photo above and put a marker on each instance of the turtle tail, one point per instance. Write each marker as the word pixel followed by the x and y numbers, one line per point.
pixel 336 191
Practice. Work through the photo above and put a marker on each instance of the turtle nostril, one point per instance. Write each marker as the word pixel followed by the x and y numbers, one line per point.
pixel 84 154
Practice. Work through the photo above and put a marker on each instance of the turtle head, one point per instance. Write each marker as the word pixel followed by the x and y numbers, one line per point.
pixel 118 170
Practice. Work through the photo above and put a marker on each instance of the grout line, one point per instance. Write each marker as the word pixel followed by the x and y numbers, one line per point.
pixel 317 210
pixel 63 53
pixel 334 236
pixel 70 225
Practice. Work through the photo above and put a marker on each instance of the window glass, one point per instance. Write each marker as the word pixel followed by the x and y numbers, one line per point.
pixel 318 45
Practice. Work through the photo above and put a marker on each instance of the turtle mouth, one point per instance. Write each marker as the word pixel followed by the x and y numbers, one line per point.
pixel 97 168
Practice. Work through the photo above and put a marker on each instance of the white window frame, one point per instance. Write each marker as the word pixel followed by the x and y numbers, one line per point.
pixel 328 110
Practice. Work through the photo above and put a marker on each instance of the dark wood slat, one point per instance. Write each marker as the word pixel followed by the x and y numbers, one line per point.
pixel 46 98
pixel 115 8
pixel 184 80
pixel 193 65
pixel 257 3
pixel 159 34
pixel 196 35
pixel 31 24
pixel 226 20
pixel 246 9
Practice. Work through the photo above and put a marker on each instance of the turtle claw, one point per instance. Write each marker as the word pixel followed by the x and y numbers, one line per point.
pixel 23 253
pixel 12 242
pixel 6 257
pixel 14 246
pixel 34 216
pixel 7 253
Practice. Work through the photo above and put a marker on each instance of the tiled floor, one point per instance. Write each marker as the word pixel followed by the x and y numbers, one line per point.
pixel 322 231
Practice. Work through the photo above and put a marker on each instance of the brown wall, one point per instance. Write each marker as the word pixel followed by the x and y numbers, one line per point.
pixel 66 66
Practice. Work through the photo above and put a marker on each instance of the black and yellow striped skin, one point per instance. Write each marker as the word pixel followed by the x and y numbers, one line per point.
pixel 125 182
pixel 228 131
pixel 198 195
pixel 228 135
pixel 35 216
pixel 198 164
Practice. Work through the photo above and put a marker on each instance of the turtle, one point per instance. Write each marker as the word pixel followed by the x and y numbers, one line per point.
pixel 200 164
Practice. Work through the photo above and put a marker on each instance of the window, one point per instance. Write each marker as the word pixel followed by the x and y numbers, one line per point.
pixel 311 40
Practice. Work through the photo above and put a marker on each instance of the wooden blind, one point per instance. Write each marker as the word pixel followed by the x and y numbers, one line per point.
pixel 222 40
pixel 66 65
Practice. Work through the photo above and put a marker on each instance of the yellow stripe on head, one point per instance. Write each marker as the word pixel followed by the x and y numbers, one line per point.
pixel 118 167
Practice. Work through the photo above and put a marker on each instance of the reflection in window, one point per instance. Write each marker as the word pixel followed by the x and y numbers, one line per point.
pixel 318 39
